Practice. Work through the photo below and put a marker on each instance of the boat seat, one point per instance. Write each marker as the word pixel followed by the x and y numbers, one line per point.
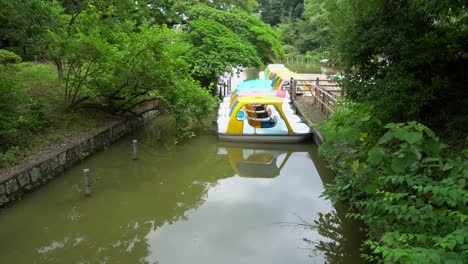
pixel 279 128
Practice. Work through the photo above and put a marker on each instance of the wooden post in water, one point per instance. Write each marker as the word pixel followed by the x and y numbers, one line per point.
pixel 159 132
pixel 87 182
pixel 135 149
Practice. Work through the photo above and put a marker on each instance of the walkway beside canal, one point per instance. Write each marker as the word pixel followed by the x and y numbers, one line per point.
pixel 316 103
pixel 306 107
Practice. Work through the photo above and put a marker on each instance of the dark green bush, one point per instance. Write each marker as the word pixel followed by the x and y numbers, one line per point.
pixel 10 98
pixel 401 185
pixel 8 57
pixel 21 116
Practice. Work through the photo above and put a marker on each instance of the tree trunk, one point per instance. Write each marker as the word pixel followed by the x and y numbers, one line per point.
pixel 58 63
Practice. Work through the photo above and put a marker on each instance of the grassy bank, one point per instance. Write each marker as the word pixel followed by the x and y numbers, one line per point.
pixel 37 113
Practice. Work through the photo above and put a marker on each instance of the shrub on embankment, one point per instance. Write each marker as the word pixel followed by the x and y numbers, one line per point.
pixel 20 117
pixel 32 111
pixel 400 182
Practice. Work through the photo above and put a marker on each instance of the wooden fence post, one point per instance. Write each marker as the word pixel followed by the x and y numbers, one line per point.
pixel 292 89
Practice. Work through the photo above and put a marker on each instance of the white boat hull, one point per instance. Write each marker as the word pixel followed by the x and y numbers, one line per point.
pixel 290 138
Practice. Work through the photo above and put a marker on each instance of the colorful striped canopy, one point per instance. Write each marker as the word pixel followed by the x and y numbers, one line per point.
pixel 279 75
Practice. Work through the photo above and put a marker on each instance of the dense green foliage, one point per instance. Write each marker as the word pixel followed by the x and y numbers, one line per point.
pixel 9 113
pixel 223 40
pixel 24 26
pixel 32 102
pixel 400 184
pixel 314 28
pixel 21 115
pixel 407 58
pixel 119 55
pixel 275 12
pixel 121 69
pixel 404 60
pixel 8 57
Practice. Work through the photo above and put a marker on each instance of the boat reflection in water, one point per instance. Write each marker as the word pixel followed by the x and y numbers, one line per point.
pixel 330 237
pixel 255 161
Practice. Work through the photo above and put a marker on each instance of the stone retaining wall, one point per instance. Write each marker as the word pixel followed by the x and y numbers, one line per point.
pixel 14 185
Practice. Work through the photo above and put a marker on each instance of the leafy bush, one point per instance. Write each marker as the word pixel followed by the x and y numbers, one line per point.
pixel 290 50
pixel 9 157
pixel 418 75
pixel 20 117
pixel 8 57
pixel 10 97
pixel 399 182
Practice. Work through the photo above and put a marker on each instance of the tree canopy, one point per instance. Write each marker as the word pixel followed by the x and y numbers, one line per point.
pixel 274 12
pixel 408 58
pixel 223 40
pixel 119 54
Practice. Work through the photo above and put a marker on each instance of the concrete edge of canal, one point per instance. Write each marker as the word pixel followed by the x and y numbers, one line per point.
pixel 14 185
pixel 317 136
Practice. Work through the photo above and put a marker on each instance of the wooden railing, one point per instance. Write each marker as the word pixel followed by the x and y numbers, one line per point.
pixel 223 89
pixel 323 99
pixel 324 93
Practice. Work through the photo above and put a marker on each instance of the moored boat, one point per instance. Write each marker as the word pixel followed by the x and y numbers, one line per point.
pixel 281 76
pixel 261 119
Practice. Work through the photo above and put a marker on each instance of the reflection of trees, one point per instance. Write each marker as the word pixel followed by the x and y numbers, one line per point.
pixel 329 226
pixel 340 238
pixel 130 199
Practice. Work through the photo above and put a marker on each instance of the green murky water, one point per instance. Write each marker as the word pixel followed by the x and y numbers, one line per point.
pixel 198 202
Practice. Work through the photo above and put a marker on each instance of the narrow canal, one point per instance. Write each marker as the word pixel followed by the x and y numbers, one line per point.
pixel 198 202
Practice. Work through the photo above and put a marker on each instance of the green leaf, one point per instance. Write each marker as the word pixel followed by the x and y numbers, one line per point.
pixel 400 133
pixel 386 138
pixel 399 165
pixel 356 166
pixel 431 147
pixel 376 155
pixel 369 188
pixel 462 182
pixel 413 137
pixel 420 127
pixel 363 136
pixel 429 132
pixel 393 125
pixel 447 166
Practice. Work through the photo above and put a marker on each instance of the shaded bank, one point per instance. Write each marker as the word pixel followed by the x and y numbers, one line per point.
pixel 16 183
